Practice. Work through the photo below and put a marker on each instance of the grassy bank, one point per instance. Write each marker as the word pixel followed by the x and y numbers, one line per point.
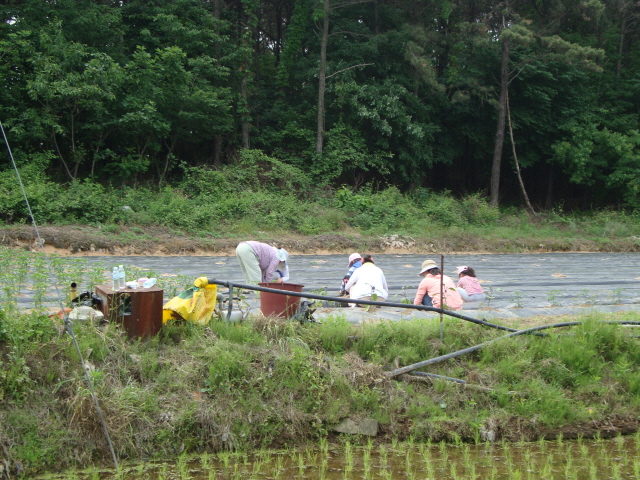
pixel 277 383
pixel 260 197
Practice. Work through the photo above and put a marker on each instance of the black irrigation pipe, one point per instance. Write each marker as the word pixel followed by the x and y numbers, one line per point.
pixel 415 366
pixel 231 285
pixel 442 358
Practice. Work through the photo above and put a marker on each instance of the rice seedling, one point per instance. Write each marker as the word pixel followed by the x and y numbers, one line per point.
pixel 162 474
pixel 444 452
pixel 431 471
pixel 237 473
pixel 348 455
pixel 407 461
pixel 568 466
pixel 204 461
pixel 225 458
pixel 472 471
pixel 182 467
pixel 366 462
pixel 301 464
pixel 466 453
pixel 278 466
pixel 494 473
pixel 312 456
pixel 324 446
pixel 383 456
pixel 616 471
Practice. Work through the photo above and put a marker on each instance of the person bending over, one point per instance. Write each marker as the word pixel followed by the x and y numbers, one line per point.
pixel 262 263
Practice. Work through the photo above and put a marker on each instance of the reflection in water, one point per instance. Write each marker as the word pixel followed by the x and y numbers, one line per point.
pixel 618 458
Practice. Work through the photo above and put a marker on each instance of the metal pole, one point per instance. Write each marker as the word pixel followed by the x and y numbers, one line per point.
pixel 441 295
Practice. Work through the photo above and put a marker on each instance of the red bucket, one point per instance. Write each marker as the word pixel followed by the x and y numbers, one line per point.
pixel 280 304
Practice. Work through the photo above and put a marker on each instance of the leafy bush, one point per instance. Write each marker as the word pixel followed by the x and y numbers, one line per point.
pixel 477 210
pixel 258 171
pixel 444 210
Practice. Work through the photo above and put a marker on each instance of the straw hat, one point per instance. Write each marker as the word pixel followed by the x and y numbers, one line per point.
pixel 427 265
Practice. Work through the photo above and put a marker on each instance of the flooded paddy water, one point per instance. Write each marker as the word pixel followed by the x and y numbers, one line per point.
pixel 599 459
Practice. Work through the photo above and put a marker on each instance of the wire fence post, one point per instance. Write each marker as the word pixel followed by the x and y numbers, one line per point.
pixel 441 296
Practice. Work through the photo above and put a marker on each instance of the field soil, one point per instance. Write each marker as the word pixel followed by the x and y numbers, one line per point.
pixel 86 240
pixel 83 240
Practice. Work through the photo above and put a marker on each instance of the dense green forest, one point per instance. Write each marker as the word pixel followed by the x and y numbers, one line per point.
pixel 465 96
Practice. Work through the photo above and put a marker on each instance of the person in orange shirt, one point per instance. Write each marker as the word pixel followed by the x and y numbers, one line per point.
pixel 428 293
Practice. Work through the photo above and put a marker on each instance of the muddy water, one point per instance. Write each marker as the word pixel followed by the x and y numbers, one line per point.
pixel 617 458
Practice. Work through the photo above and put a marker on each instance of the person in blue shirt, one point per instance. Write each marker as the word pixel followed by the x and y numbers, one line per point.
pixel 355 262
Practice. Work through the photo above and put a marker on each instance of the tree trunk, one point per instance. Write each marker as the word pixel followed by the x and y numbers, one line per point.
pixel 549 201
pixel 623 28
pixel 245 101
pixel 217 139
pixel 515 159
pixel 502 109
pixel 322 76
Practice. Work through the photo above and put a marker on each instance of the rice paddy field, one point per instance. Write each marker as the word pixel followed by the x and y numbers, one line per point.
pixel 258 399
pixel 596 459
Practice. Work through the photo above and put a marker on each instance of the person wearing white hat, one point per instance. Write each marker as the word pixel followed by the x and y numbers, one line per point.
pixel 367 281
pixel 355 261
pixel 428 293
pixel 261 262
pixel 469 287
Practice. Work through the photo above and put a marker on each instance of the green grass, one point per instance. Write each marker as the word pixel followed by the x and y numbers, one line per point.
pixel 274 383
pixel 227 203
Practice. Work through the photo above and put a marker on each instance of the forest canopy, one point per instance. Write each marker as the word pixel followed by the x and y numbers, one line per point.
pixel 453 96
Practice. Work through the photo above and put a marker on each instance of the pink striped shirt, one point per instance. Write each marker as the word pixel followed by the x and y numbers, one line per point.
pixel 470 284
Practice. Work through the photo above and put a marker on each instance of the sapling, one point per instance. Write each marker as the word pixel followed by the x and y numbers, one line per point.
pixel 517 298
pixel 552 297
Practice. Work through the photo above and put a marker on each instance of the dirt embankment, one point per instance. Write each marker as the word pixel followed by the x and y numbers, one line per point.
pixel 85 240
pixel 82 240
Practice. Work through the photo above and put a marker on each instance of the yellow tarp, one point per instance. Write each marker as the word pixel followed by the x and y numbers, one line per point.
pixel 195 305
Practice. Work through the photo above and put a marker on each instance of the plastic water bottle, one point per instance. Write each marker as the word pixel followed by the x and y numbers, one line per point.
pixel 115 283
pixel 121 278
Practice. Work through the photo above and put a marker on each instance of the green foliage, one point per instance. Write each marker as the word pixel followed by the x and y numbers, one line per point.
pixel 227 367
pixel 268 382
pixel 255 170
pixel 334 334
pixel 138 94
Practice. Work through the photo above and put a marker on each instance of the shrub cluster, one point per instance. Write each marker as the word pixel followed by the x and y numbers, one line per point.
pixel 260 193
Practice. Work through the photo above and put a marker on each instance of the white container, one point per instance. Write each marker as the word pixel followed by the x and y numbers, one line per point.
pixel 122 283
